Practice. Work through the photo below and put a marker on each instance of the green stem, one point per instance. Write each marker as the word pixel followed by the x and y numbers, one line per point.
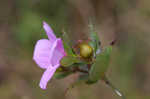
pixel 117 91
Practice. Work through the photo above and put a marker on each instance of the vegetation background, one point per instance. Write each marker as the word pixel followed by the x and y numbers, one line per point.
pixel 127 21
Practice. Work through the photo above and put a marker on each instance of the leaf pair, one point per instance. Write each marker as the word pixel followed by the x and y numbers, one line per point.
pixel 69 60
pixel 100 65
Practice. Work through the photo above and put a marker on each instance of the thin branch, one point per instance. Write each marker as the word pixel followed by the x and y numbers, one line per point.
pixel 76 69
pixel 117 91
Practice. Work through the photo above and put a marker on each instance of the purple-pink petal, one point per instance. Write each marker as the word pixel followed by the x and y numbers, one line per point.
pixel 47 76
pixel 49 32
pixel 58 53
pixel 42 53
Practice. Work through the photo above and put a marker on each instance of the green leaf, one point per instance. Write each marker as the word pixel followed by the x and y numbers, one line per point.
pixel 67 44
pixel 69 60
pixel 61 75
pixel 68 49
pixel 95 42
pixel 100 65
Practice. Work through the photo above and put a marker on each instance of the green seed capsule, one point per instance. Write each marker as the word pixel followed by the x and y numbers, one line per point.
pixel 86 51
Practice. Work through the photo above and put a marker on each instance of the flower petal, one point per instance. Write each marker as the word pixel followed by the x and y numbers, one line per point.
pixel 49 32
pixel 58 53
pixel 47 76
pixel 42 53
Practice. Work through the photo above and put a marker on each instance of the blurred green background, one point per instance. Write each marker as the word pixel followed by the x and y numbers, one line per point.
pixel 127 21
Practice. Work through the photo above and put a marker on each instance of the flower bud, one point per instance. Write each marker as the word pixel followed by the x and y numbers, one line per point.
pixel 86 51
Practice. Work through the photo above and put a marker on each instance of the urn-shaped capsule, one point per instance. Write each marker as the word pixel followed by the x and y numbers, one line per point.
pixel 86 51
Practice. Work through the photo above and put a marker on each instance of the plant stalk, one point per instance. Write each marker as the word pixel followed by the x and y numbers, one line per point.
pixel 115 90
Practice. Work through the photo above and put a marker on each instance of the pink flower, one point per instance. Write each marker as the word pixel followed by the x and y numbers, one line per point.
pixel 47 54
